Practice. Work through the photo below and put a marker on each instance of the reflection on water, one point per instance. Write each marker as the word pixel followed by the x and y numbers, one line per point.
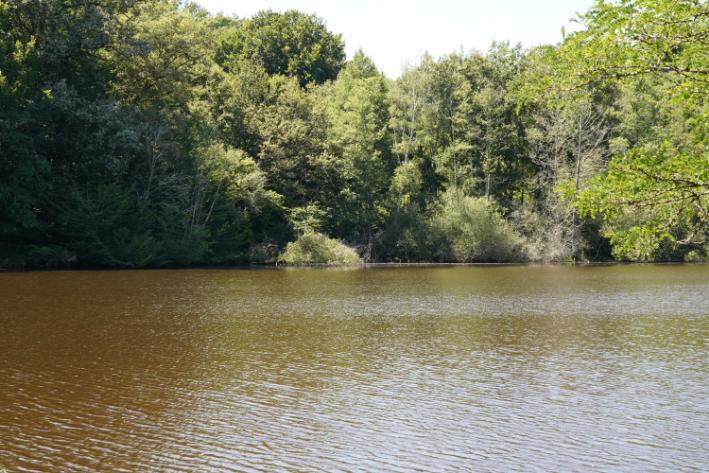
pixel 382 369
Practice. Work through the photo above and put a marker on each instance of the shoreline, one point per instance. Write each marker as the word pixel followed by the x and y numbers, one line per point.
pixel 376 265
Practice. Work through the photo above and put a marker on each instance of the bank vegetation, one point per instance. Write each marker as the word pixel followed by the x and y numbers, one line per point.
pixel 150 133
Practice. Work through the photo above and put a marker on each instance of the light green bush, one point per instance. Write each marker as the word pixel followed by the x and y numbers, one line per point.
pixel 470 229
pixel 316 248
pixel 700 255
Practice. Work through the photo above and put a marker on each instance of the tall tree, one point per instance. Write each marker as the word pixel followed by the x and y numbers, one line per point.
pixel 290 43
pixel 358 114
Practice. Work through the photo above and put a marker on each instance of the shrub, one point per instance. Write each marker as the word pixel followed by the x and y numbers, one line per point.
pixel 471 229
pixel 700 255
pixel 316 248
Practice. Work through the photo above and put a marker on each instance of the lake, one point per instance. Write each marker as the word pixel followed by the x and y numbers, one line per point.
pixel 478 368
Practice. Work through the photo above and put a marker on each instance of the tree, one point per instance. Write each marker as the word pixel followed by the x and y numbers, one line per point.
pixel 569 145
pixel 497 133
pixel 650 197
pixel 290 43
pixel 291 127
pixel 54 121
pixel 662 183
pixel 632 38
pixel 358 135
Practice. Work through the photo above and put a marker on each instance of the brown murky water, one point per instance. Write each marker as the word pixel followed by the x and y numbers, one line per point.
pixel 380 369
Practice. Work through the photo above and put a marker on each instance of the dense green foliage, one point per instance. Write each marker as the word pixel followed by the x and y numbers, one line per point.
pixel 316 248
pixel 469 229
pixel 290 44
pixel 148 133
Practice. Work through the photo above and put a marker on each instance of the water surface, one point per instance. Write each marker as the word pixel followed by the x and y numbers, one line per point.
pixel 379 369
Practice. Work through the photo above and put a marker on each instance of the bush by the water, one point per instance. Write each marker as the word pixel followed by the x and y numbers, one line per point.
pixel 316 248
pixel 470 229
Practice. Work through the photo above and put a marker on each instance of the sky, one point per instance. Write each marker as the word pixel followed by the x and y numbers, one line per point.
pixel 395 33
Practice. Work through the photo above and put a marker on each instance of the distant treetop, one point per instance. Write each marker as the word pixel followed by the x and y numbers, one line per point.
pixel 290 43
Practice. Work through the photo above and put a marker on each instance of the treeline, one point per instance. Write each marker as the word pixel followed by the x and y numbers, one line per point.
pixel 147 133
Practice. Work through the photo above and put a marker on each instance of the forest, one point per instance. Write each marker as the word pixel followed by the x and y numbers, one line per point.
pixel 147 133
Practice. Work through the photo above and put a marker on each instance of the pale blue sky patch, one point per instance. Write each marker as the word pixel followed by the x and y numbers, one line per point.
pixel 396 32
